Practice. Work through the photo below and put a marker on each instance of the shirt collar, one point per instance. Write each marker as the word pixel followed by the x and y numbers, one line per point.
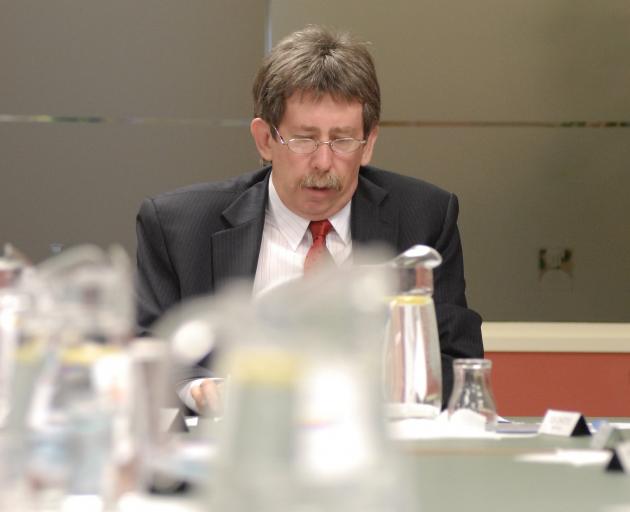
pixel 294 227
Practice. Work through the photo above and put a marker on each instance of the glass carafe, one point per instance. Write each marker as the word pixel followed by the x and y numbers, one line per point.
pixel 11 301
pixel 82 388
pixel 412 363
pixel 303 422
pixel 303 425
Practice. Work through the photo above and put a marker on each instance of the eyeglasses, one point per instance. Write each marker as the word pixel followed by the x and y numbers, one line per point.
pixel 306 146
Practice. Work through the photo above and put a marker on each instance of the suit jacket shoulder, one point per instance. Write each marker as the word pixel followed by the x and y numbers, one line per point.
pixel 400 183
pixel 207 199
pixel 197 211
pixel 415 210
pixel 184 237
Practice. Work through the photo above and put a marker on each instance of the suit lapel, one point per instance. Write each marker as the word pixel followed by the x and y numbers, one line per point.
pixel 371 218
pixel 235 249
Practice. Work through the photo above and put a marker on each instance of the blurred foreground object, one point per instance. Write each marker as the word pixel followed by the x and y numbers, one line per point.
pixel 12 265
pixel 303 426
pixel 413 371
pixel 70 375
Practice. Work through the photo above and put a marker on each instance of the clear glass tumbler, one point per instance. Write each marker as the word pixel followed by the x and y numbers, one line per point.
pixel 472 391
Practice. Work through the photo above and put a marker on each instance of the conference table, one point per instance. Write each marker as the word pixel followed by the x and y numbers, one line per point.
pixel 513 471
pixel 490 475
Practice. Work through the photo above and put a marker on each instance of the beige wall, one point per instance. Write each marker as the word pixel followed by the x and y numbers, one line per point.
pixel 522 185
pixel 163 80
pixel 168 83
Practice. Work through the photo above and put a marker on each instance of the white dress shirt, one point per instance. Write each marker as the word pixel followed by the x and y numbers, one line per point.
pixel 285 242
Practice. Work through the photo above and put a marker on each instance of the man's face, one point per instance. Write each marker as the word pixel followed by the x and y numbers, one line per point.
pixel 317 185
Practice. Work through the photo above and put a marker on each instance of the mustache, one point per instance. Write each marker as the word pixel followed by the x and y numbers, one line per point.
pixel 327 180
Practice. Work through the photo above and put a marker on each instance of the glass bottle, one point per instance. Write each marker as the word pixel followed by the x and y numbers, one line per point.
pixel 412 363
pixel 472 391
pixel 83 388
pixel 11 267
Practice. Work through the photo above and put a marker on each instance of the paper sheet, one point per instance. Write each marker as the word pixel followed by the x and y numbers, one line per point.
pixel 466 424
pixel 572 457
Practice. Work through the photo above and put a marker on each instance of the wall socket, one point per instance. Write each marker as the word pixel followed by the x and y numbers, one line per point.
pixel 555 260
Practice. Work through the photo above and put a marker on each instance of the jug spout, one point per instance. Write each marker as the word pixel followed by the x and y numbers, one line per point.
pixel 414 269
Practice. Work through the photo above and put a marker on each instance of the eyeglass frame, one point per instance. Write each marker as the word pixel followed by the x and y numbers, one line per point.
pixel 330 143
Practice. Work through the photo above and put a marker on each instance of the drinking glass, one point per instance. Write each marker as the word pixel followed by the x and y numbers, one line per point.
pixel 472 391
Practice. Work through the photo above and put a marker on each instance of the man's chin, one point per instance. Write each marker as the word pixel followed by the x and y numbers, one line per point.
pixel 313 211
pixel 318 204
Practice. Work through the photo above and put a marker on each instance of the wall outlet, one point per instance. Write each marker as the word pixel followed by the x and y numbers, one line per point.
pixel 556 265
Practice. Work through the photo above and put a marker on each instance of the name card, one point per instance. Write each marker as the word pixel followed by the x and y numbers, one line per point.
pixel 563 423
pixel 608 437
pixel 620 461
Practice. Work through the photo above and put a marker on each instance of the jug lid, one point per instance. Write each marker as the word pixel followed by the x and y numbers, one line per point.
pixel 418 255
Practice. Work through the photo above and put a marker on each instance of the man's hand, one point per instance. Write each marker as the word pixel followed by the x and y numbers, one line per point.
pixel 207 396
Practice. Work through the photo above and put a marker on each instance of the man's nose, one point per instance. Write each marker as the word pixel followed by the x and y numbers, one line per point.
pixel 322 157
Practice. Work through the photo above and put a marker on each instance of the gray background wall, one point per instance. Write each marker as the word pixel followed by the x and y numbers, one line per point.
pixel 479 97
pixel 167 85
pixel 489 84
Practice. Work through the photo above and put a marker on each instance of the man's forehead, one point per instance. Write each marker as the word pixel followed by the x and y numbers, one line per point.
pixel 316 97
pixel 333 127
pixel 308 111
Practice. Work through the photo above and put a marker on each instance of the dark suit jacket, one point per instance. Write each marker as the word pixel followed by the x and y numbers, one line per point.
pixel 193 240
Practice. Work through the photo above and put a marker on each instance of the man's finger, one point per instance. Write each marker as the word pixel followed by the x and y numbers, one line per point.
pixel 206 396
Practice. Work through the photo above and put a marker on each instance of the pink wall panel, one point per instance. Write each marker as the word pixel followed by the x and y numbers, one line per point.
pixel 529 383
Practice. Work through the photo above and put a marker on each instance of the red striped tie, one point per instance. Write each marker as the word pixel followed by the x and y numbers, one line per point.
pixel 317 254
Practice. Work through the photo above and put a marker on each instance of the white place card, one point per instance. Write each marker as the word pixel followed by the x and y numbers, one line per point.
pixel 620 460
pixel 564 423
pixel 607 437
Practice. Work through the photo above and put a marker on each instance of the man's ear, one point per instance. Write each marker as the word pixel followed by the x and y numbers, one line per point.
pixel 262 137
pixel 369 146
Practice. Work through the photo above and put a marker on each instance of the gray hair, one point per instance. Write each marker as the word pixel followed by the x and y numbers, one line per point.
pixel 317 61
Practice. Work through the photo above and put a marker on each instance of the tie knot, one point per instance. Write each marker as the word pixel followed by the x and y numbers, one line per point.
pixel 319 228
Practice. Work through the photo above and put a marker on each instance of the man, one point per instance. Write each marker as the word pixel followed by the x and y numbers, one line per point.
pixel 317 106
